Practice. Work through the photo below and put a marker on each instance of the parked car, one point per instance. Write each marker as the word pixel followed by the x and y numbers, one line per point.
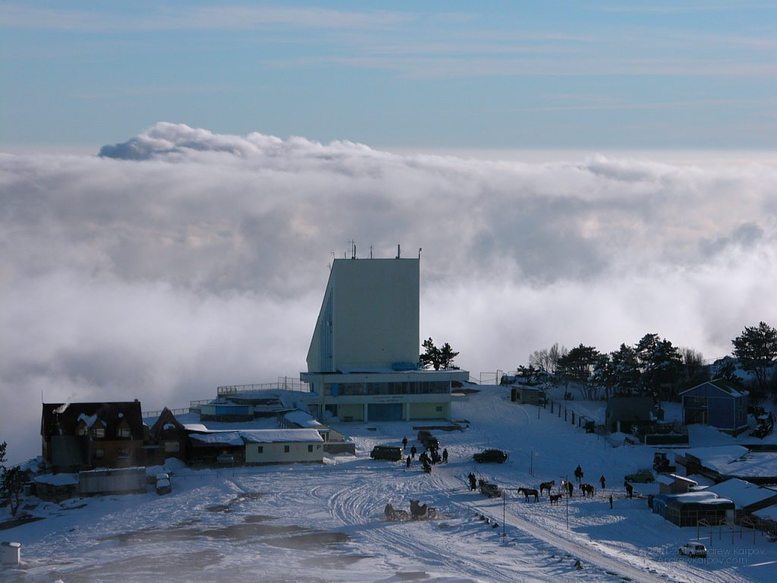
pixel 386 452
pixel 163 485
pixel 693 549
pixel 489 489
pixel 490 456
pixel 643 476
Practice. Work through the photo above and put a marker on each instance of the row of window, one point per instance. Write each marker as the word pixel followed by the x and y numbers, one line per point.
pixel 98 431
pixel 395 388
pixel 260 448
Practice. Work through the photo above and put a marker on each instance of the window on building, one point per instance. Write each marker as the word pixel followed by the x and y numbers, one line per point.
pixel 81 429
pixel 98 431
pixel 172 446
pixel 123 453
pixel 259 449
pixel 438 408
pixel 124 430
pixel 286 449
pixel 310 449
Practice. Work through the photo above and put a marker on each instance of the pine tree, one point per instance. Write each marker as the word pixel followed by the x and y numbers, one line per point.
pixel 756 349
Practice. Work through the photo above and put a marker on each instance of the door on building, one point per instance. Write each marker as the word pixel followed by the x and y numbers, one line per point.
pixel 384 411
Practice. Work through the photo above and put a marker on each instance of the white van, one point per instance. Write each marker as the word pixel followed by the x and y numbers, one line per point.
pixel 693 549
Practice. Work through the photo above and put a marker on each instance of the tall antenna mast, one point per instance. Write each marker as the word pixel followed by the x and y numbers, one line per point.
pixel 399 254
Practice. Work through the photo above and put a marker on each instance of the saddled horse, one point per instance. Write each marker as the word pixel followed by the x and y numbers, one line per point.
pixel 547 486
pixel 529 492
pixel 587 490
pixel 554 498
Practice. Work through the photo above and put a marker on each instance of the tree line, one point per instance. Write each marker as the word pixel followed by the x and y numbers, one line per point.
pixel 654 366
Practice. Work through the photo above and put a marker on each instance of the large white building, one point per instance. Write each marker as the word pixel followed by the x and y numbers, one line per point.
pixel 363 357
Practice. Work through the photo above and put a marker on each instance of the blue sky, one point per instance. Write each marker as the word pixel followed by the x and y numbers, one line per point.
pixel 513 75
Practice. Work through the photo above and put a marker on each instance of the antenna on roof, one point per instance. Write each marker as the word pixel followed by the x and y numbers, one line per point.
pixel 353 250
pixel 399 254
pixel 370 251
pixel 419 252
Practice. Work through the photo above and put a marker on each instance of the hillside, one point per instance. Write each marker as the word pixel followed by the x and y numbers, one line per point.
pixel 326 522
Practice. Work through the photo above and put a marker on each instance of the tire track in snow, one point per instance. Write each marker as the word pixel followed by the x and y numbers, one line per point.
pixel 363 504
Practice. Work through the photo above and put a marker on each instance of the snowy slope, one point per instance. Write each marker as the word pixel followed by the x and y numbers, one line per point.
pixel 326 523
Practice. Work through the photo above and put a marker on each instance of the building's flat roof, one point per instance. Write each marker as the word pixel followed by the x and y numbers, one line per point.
pixel 742 493
pixel 257 436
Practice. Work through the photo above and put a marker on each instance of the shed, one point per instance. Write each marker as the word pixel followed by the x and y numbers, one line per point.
pixel 674 484
pixel 624 411
pixel 688 509
pixel 265 446
pixel 55 487
pixel 113 481
pixel 717 403
pixel 528 395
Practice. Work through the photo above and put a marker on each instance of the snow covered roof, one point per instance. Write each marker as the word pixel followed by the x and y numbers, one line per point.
pixel 722 385
pixel 669 479
pixel 57 479
pixel 719 455
pixel 280 435
pixel 195 427
pixel 303 419
pixel 768 513
pixel 742 493
pixel 257 436
pixel 701 497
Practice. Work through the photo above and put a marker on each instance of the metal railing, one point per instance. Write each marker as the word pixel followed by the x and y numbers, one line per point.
pixel 180 411
pixel 285 383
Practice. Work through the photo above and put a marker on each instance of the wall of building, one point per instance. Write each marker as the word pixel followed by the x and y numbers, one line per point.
pixel 373 307
pixel 354 412
pixel 429 410
pixel 298 451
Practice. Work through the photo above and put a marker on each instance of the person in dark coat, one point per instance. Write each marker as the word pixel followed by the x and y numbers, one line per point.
pixel 610 501
pixel 404 442
pixel 579 474
pixel 413 451
pixel 603 481
pixel 570 489
pixel 408 461
pixel 473 483
pixel 445 456
pixel 629 489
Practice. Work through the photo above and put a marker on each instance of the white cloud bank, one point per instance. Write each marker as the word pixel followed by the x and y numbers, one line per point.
pixel 184 259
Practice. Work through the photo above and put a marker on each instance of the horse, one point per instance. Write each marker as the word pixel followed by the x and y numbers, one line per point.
pixel 547 486
pixel 529 492
pixel 587 490
pixel 554 498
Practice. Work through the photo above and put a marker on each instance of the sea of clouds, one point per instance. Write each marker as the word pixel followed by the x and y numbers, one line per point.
pixel 183 259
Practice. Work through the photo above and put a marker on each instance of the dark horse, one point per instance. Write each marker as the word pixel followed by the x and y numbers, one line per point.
pixel 587 489
pixel 547 486
pixel 529 492
pixel 554 498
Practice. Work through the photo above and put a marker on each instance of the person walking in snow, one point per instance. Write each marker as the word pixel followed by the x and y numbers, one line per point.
pixel 404 443
pixel 407 462
pixel 610 501
pixel 603 481
pixel 629 489
pixel 445 456
pixel 413 451
pixel 473 483
pixel 579 474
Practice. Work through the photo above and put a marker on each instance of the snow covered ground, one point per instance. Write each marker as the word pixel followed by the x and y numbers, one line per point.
pixel 325 522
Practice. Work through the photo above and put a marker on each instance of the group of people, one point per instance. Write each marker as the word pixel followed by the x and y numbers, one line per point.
pixel 427 458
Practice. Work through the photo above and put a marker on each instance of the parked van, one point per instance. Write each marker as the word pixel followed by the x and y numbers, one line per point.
pixel 693 549
pixel 386 452
pixel 163 484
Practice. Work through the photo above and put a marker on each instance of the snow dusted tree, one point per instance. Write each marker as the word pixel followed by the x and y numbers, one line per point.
pixel 660 364
pixel 577 366
pixel 756 349
pixel 437 358
pixel 693 364
pixel 11 482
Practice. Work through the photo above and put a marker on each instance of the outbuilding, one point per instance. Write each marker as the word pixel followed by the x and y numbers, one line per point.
pixel 717 403
pixel 688 509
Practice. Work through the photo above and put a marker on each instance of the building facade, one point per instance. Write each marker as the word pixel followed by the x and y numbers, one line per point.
pixel 363 356
pixel 717 403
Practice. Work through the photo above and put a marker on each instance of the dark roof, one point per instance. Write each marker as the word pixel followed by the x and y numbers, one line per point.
pixel 166 418
pixel 720 384
pixel 62 418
